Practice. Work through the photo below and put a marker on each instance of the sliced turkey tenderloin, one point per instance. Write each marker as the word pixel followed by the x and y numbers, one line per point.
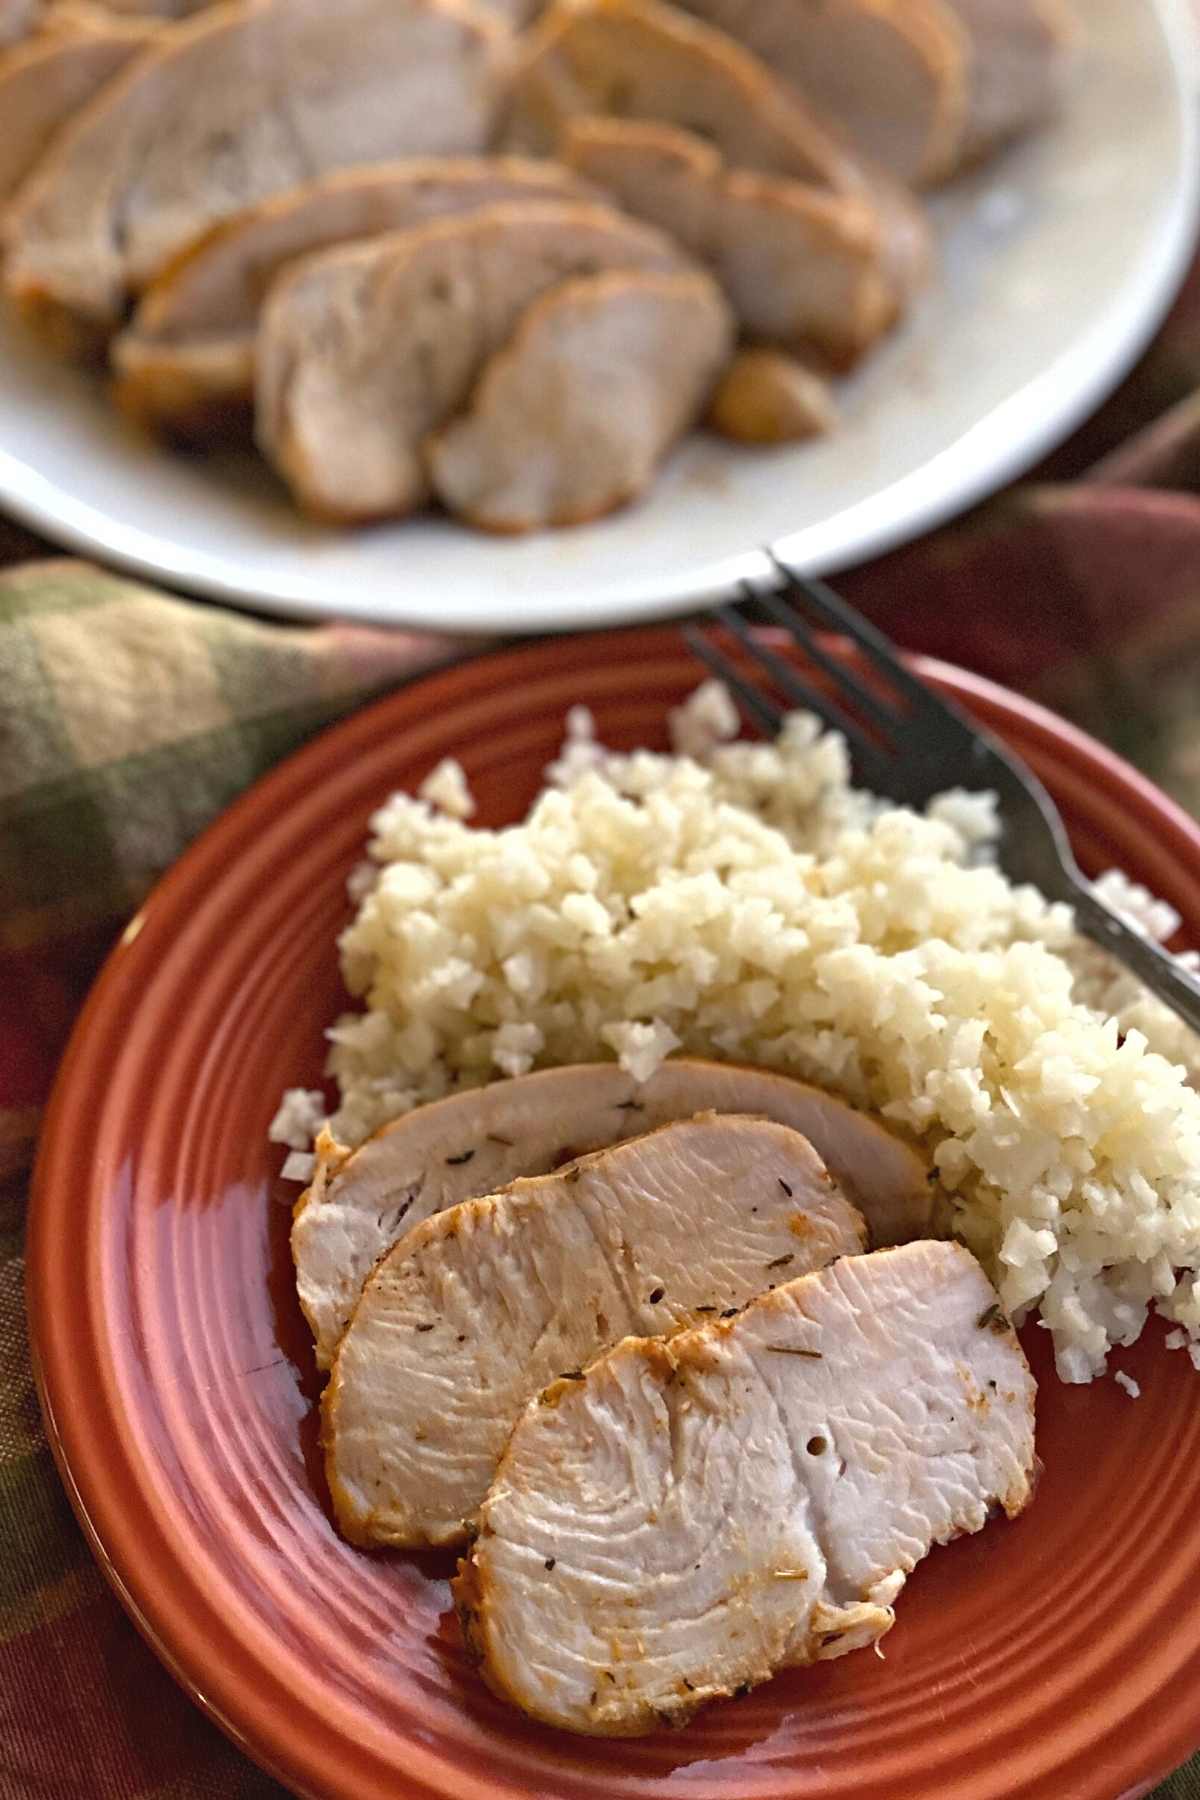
pixel 186 362
pixel 360 1201
pixel 1020 55
pixel 650 62
pixel 365 350
pixel 478 1308
pixel 45 81
pixel 893 74
pixel 572 417
pixel 699 1512
pixel 241 102
pixel 799 265
pixel 646 59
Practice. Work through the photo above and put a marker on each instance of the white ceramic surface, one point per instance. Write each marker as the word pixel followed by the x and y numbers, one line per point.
pixel 1057 260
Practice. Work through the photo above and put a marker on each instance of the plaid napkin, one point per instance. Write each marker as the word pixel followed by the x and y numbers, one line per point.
pixel 127 722
pixel 128 719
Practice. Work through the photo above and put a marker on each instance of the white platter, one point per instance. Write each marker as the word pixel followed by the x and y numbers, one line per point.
pixel 1056 262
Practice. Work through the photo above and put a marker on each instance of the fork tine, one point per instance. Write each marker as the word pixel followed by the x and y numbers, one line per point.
pixel 760 709
pixel 867 753
pixel 787 616
pixel 831 609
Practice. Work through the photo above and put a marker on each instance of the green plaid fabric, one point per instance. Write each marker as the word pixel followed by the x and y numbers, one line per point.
pixel 129 719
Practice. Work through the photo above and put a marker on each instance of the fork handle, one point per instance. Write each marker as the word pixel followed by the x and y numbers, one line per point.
pixel 1155 968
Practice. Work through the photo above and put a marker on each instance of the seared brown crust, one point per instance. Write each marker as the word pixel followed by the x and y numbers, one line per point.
pixel 924 40
pixel 600 57
pixel 766 397
pixel 351 324
pixel 182 397
pixel 799 264
pixel 185 363
pixel 75 247
pixel 571 419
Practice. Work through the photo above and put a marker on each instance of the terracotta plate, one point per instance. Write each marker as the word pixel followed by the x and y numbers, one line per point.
pixel 1058 1657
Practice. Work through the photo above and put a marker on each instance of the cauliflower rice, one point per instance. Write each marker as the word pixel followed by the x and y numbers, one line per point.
pixel 743 901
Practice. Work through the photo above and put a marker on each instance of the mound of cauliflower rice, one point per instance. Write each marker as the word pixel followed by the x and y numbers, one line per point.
pixel 745 902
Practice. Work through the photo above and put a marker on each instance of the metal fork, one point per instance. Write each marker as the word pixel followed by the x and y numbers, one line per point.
pixel 908 744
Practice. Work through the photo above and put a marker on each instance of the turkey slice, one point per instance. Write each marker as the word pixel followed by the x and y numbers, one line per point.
pixel 481 1306
pixel 798 263
pixel 698 1513
pixel 473 1143
pixel 646 59
pixel 1020 56
pixel 186 362
pixel 241 102
pixel 572 418
pixel 894 75
pixel 45 81
pixel 366 350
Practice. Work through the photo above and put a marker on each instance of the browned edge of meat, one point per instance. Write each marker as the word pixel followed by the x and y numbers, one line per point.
pixel 348 387
pixel 185 364
pixel 768 397
pixel 79 250
pixel 573 417
pixel 649 60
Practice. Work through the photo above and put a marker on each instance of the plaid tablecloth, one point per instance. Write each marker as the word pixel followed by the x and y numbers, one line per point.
pixel 128 719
